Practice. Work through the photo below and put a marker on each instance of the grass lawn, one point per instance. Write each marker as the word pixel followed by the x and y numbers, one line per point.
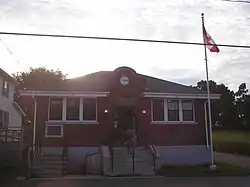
pixel 231 136
pixel 236 142
pixel 202 171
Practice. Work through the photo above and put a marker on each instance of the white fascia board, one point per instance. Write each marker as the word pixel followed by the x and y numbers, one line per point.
pixel 179 95
pixel 63 93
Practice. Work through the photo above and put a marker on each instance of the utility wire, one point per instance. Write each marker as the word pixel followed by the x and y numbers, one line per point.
pixel 117 39
pixel 236 1
pixel 8 49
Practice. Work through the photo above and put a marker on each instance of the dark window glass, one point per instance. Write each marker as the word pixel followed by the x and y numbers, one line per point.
pixel 56 107
pixel 188 112
pixel 173 110
pixel 89 109
pixel 54 130
pixel 158 109
pixel 1 119
pixel 5 90
pixel 4 119
pixel 72 110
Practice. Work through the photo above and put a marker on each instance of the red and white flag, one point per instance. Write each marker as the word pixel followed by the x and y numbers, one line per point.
pixel 209 42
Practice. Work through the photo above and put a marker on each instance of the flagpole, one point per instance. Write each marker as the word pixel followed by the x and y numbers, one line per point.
pixel 208 96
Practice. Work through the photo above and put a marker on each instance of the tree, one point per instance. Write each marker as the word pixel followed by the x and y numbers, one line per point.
pixel 39 78
pixel 224 111
pixel 243 106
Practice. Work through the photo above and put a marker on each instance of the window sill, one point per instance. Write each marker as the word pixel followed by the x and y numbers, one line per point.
pixel 70 122
pixel 173 122
pixel 53 136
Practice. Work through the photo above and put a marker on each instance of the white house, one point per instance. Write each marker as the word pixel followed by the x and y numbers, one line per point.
pixel 10 112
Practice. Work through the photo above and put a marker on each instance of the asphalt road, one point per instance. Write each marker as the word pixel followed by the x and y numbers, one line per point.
pixel 128 182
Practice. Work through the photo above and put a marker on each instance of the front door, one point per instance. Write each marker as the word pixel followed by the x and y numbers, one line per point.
pixel 126 117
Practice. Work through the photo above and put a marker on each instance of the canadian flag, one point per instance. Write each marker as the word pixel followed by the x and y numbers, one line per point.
pixel 209 42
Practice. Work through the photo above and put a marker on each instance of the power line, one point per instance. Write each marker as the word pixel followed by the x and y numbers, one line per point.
pixel 236 1
pixel 116 39
pixel 8 49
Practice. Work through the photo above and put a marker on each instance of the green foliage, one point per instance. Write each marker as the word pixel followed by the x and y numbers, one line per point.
pixel 235 142
pixel 232 110
pixel 39 78
pixel 201 171
pixel 234 148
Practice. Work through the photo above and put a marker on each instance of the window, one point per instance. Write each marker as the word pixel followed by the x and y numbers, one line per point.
pixel 54 131
pixel 187 108
pixel 158 110
pixel 4 119
pixel 73 107
pixel 89 109
pixel 173 110
pixel 56 108
pixel 5 90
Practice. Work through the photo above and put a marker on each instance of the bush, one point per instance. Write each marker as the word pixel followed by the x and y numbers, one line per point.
pixel 241 148
pixel 201 171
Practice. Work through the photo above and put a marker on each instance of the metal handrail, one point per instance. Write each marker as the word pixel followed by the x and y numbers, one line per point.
pixel 64 154
pixel 33 151
pixel 154 154
pixel 112 158
pixel 131 151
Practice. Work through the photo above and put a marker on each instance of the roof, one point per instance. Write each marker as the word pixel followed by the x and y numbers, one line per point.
pixel 18 108
pixel 6 76
pixel 99 82
pixel 162 86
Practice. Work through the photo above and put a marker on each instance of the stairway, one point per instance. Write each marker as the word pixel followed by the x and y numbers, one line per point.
pixel 48 165
pixel 123 162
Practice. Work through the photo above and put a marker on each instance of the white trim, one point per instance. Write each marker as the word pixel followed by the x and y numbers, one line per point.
pixel 73 122
pixel 64 109
pixel 48 109
pixel 180 109
pixel 173 122
pixel 179 95
pixel 64 113
pixel 53 136
pixel 81 109
pixel 96 111
pixel 63 93
pixel 151 109
pixel 165 108
pixel 193 108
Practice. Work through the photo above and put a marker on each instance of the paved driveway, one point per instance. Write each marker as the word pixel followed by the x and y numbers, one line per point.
pixel 158 182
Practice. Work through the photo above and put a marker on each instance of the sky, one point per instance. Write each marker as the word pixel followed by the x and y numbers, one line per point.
pixel 179 20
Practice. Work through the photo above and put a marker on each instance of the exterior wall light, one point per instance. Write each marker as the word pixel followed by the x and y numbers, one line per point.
pixel 106 111
pixel 144 111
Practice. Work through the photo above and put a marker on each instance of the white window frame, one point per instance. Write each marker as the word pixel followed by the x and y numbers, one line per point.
pixel 64 111
pixel 166 121
pixel 49 111
pixel 193 109
pixel 53 136
pixel 6 93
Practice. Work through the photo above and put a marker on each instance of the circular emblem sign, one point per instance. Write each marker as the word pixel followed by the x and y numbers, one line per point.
pixel 124 80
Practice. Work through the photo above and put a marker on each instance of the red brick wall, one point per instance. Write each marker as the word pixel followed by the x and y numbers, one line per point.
pixel 177 134
pixel 97 134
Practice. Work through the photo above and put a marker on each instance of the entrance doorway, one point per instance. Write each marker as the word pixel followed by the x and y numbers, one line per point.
pixel 126 117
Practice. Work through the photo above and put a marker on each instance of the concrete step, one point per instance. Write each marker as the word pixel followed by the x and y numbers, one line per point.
pixel 48 158
pixel 39 166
